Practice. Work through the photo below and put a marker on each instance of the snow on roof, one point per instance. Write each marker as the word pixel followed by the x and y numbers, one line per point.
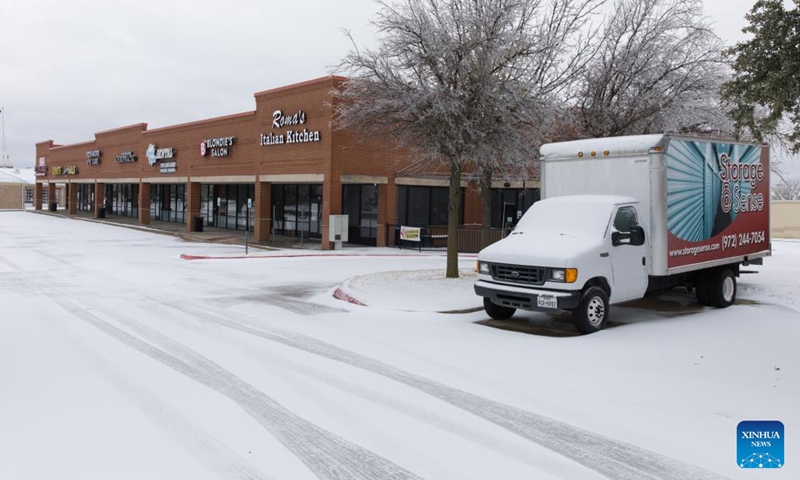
pixel 593 199
pixel 17 175
pixel 616 146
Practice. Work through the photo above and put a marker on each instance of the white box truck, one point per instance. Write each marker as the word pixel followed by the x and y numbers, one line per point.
pixel 623 216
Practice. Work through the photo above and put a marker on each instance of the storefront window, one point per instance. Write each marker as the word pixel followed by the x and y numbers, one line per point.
pixel 85 196
pixel 168 203
pixel 122 199
pixel 225 206
pixel 297 210
pixel 360 204
pixel 508 204
pixel 425 206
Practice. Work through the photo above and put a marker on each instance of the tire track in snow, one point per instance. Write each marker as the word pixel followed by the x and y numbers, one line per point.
pixel 215 456
pixel 211 453
pixel 325 454
pixel 291 369
pixel 612 458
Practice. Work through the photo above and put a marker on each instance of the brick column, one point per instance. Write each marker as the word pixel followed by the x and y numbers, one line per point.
pixel 38 192
pixel 72 198
pixel 192 204
pixel 52 188
pixel 383 215
pixel 331 205
pixel 391 212
pixel 144 203
pixel 263 213
pixel 99 198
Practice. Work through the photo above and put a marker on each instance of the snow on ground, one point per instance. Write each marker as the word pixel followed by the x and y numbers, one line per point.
pixel 119 359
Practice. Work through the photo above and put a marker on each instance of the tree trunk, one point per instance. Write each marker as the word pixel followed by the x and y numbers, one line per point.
pixel 453 208
pixel 486 206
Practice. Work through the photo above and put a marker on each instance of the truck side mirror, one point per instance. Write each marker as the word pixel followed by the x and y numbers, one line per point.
pixel 634 237
pixel 637 235
pixel 620 238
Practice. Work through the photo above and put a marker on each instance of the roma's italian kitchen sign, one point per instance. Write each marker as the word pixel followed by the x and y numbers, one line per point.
pixel 279 120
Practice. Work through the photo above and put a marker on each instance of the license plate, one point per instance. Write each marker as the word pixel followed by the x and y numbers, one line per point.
pixel 547 301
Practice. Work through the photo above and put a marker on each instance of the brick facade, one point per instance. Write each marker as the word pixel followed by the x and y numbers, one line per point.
pixel 244 148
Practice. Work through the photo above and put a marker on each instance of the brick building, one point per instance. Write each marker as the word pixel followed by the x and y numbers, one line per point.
pixel 284 159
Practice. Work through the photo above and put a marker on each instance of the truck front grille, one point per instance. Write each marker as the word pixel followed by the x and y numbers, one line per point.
pixel 519 274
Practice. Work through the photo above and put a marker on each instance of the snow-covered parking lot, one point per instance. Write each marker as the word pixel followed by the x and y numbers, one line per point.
pixel 121 360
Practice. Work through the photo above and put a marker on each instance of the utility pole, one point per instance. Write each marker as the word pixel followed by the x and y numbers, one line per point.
pixel 3 127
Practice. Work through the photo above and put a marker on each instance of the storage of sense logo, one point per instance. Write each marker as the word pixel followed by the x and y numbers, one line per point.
pixel 759 444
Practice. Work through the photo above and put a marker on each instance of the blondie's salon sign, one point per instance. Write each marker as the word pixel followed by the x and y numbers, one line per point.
pixel 293 135
pixel 217 147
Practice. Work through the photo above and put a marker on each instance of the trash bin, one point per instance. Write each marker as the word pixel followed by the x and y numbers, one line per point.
pixel 54 207
pixel 101 212
pixel 198 224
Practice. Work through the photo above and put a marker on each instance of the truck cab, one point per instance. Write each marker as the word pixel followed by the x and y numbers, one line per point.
pixel 579 253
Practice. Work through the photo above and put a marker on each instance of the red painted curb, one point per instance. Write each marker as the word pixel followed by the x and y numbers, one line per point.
pixel 340 295
pixel 185 256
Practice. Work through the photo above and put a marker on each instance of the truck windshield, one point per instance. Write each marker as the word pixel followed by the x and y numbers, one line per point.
pixel 579 219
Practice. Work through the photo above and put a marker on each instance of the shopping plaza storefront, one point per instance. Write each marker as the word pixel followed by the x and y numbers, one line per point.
pixel 278 170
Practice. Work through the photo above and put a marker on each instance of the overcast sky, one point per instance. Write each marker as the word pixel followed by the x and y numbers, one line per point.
pixel 70 69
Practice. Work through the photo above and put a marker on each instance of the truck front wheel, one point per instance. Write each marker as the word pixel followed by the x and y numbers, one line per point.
pixel 722 288
pixel 592 313
pixel 498 312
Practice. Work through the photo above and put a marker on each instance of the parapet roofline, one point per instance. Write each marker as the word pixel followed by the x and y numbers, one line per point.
pixel 202 122
pixel 58 147
pixel 146 132
pixel 140 127
pixel 307 83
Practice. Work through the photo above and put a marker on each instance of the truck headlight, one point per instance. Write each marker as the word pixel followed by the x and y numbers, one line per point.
pixel 566 275
pixel 557 274
pixel 483 267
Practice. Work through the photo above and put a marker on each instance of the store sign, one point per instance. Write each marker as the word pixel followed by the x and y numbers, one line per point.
pixel 217 147
pixel 70 170
pixel 411 234
pixel 127 157
pixel 41 168
pixel 155 154
pixel 168 167
pixel 279 120
pixel 93 157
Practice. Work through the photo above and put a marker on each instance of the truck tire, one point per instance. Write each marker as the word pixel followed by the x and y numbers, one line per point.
pixel 592 313
pixel 497 312
pixel 701 285
pixel 722 288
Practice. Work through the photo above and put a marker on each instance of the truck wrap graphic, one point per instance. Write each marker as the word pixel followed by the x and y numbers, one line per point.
pixel 717 201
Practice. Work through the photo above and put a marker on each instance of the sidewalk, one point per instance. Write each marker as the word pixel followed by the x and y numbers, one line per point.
pixel 208 235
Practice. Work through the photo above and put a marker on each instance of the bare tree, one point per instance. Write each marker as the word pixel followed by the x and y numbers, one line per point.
pixel 460 82
pixel 787 189
pixel 659 69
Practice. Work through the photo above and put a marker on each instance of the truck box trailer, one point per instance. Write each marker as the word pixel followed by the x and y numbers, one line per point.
pixel 622 216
